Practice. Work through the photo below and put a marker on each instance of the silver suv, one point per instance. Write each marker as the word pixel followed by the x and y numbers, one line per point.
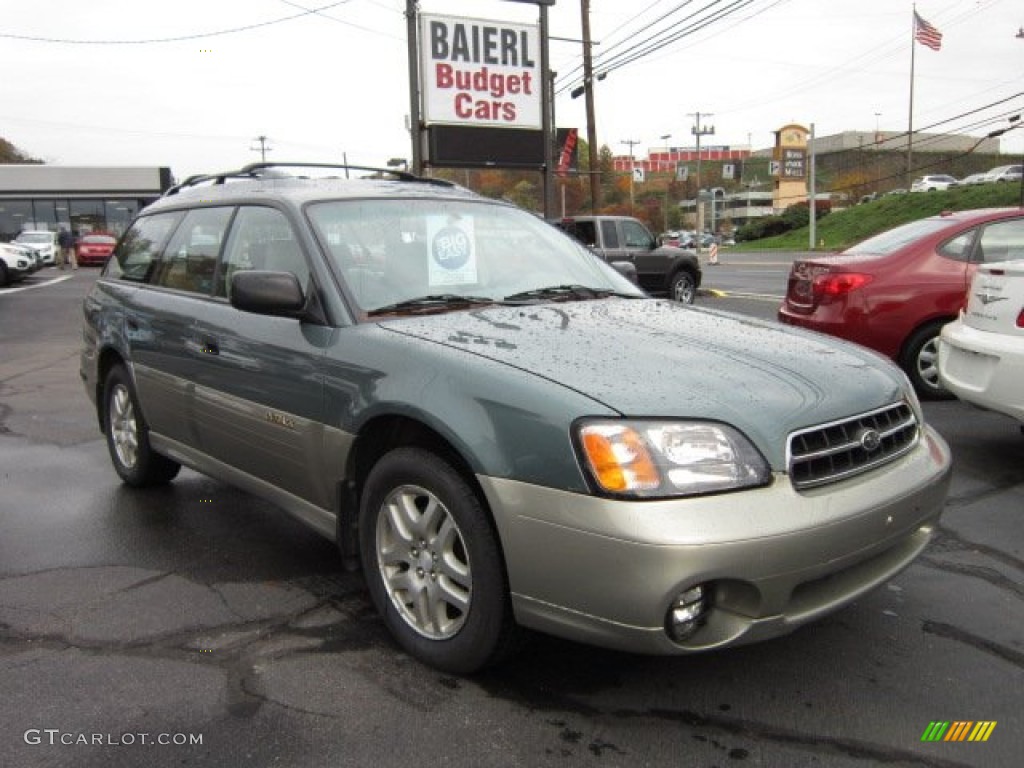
pixel 506 432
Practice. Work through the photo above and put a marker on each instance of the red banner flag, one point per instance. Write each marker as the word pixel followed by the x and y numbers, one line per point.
pixel 926 34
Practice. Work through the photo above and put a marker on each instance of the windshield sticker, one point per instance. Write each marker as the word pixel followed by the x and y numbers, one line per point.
pixel 452 250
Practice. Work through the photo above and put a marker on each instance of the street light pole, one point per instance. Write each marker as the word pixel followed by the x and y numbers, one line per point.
pixel 698 130
pixel 668 184
pixel 632 167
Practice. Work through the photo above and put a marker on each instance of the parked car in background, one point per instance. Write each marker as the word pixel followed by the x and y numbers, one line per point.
pixel 41 240
pixel 974 178
pixel 659 268
pixel 1005 173
pixel 16 263
pixel 94 249
pixel 981 353
pixel 932 183
pixel 894 291
pixel 504 430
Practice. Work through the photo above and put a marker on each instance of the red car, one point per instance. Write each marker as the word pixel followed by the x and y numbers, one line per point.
pixel 894 291
pixel 94 249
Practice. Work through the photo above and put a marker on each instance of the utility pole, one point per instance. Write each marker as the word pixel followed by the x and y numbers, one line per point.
pixel 415 119
pixel 262 148
pixel 632 166
pixel 698 130
pixel 588 92
pixel 668 184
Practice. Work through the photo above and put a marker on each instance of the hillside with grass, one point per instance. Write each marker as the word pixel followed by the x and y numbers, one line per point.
pixel 841 229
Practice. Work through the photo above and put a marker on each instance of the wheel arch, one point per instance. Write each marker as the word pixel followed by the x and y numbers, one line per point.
pixel 934 320
pixel 107 360
pixel 378 436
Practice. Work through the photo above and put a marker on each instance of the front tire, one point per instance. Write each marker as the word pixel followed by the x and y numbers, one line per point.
pixel 432 563
pixel 920 361
pixel 683 287
pixel 128 435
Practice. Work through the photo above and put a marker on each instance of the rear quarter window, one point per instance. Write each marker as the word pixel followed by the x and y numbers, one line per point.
pixel 139 249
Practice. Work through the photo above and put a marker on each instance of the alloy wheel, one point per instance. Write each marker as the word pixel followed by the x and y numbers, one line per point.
pixel 423 562
pixel 123 426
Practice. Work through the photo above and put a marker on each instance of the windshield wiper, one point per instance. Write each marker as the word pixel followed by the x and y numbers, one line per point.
pixel 568 292
pixel 431 302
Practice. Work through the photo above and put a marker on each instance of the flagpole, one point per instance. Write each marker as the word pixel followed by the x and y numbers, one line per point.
pixel 910 118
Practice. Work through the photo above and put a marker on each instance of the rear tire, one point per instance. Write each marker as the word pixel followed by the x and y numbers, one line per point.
pixel 128 435
pixel 920 361
pixel 432 563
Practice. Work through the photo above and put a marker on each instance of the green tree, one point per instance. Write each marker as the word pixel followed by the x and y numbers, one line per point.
pixel 10 154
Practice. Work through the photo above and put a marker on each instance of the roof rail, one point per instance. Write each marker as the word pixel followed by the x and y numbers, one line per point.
pixel 254 171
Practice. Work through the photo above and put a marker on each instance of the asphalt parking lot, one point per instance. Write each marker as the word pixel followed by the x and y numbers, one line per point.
pixel 195 625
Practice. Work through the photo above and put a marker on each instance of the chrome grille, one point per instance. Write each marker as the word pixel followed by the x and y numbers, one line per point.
pixel 831 452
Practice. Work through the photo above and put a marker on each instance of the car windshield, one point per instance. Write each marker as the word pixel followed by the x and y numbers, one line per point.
pixel 894 239
pixel 99 239
pixel 435 255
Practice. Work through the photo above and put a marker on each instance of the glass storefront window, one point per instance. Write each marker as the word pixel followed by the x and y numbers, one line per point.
pixel 45 215
pixel 87 216
pixel 119 215
pixel 63 214
pixel 15 215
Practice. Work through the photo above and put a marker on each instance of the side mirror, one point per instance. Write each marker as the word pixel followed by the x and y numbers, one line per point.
pixel 267 293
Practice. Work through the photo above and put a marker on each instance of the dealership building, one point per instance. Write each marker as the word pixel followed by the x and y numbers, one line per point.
pixel 78 198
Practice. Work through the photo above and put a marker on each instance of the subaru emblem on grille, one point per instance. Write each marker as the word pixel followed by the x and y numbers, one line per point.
pixel 869 439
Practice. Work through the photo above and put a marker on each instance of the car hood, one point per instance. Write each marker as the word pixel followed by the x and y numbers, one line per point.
pixel 658 358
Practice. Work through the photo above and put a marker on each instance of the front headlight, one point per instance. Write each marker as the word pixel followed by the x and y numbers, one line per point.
pixel 657 459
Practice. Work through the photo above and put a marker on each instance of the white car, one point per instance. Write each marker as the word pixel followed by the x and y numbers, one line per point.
pixel 974 178
pixel 41 240
pixel 981 354
pixel 15 263
pixel 937 181
pixel 1005 173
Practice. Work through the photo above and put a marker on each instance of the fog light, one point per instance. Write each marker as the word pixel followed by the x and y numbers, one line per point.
pixel 687 613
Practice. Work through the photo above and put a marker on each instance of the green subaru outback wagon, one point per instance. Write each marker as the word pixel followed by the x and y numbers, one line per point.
pixel 505 432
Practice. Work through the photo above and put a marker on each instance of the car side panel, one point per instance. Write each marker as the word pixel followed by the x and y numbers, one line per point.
pixel 258 396
pixel 158 332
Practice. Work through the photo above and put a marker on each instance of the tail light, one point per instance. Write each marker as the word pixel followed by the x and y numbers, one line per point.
pixel 811 284
pixel 830 285
pixel 1020 319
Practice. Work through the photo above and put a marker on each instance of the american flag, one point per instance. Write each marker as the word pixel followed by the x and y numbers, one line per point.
pixel 926 34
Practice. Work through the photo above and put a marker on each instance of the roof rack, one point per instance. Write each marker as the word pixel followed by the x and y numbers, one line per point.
pixel 256 171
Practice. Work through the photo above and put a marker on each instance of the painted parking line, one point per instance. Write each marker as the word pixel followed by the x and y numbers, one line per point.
pixel 51 281
pixel 719 294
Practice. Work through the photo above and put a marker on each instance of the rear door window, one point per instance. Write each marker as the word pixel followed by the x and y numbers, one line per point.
pixel 610 234
pixel 189 261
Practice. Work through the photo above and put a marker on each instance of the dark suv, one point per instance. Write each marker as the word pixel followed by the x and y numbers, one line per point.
pixel 660 269
pixel 504 430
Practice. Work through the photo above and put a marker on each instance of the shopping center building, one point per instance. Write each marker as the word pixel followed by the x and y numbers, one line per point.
pixel 78 198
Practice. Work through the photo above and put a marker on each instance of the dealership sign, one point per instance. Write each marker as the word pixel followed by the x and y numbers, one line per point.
pixel 482 73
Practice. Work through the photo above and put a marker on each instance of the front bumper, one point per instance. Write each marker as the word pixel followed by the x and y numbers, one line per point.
pixel 606 572
pixel 983 368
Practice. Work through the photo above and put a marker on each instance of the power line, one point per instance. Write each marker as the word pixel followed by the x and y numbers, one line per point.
pixel 180 38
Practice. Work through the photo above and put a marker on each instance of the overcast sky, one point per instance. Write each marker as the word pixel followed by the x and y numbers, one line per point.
pixel 190 83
